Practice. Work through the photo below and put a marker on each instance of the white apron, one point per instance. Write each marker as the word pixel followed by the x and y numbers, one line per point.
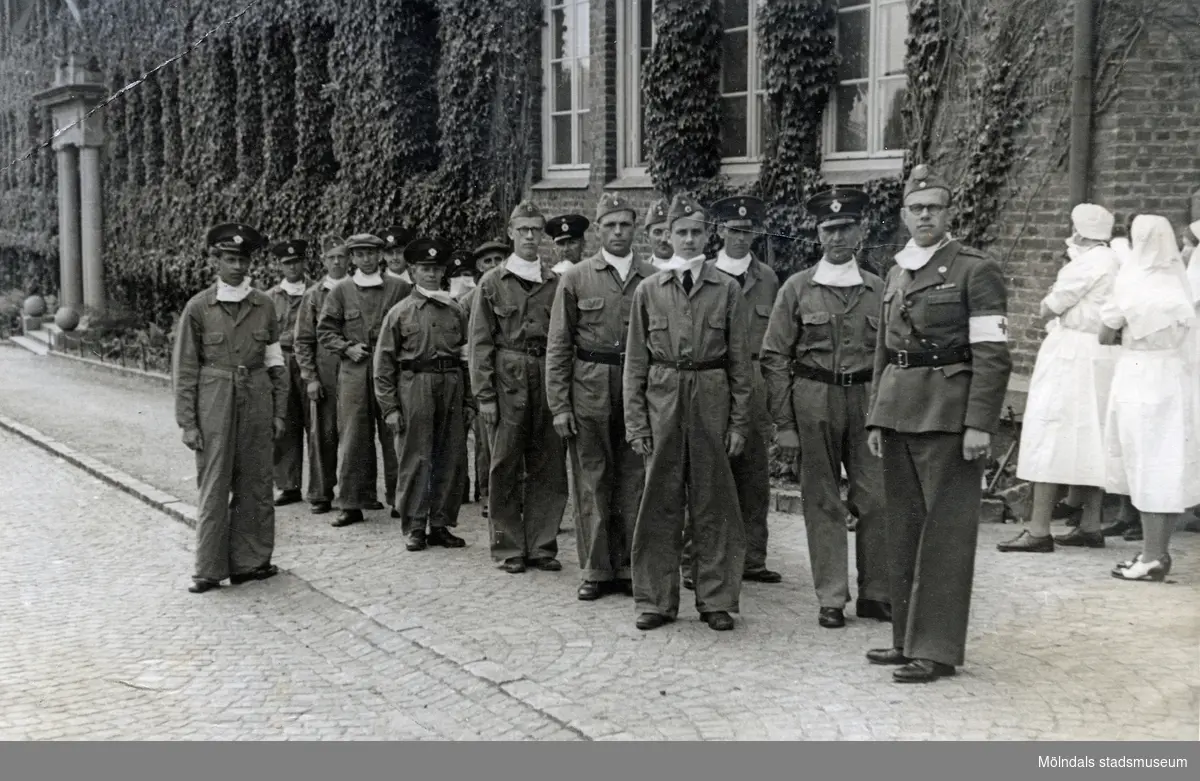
pixel 1062 431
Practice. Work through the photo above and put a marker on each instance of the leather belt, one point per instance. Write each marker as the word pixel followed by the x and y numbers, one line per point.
pixel 593 356
pixel 693 366
pixel 843 379
pixel 534 350
pixel 920 358
pixel 231 371
pixel 439 365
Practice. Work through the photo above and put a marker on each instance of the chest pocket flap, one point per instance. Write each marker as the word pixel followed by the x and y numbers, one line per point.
pixel 353 314
pixel 591 304
pixel 409 329
pixel 716 320
pixel 263 335
pixel 815 318
pixel 658 323
pixel 944 297
pixel 763 310
pixel 216 338
pixel 504 311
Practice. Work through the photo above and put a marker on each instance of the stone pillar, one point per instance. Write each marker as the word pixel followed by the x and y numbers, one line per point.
pixel 70 269
pixel 90 228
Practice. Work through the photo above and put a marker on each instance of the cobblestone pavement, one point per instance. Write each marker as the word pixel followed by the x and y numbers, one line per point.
pixel 1058 649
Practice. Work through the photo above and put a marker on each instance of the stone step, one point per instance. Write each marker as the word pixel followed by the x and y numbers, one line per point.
pixel 31 344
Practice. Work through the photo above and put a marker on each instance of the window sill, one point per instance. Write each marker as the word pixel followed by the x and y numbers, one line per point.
pixel 631 181
pixel 858 170
pixel 565 183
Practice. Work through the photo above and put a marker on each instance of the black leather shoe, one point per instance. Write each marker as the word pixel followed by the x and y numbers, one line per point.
pixel 416 541
pixel 320 508
pixel 763 575
pixel 622 586
pixel 1118 528
pixel 873 608
pixel 514 566
pixel 1133 533
pixel 262 573
pixel 288 497
pixel 1080 539
pixel 648 621
pixel 688 583
pixel 373 506
pixel 200 586
pixel 1027 543
pixel 718 620
pixel 546 565
pixel 395 513
pixel 831 617
pixel 347 517
pixel 589 591
pixel 922 671
pixel 887 656
pixel 441 536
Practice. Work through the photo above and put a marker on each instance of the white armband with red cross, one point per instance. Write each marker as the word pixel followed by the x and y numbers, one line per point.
pixel 273 356
pixel 988 328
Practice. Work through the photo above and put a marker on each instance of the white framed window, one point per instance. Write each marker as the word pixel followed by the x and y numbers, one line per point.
pixel 635 23
pixel 863 125
pixel 743 97
pixel 567 56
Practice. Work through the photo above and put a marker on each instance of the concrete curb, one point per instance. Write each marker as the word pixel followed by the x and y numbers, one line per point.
pixel 154 378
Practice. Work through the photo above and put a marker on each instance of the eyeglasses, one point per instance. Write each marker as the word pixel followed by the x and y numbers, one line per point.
pixel 934 209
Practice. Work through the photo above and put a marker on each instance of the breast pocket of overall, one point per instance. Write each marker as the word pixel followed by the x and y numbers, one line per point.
pixel 941 316
pixel 512 386
pixel 816 333
pixel 354 327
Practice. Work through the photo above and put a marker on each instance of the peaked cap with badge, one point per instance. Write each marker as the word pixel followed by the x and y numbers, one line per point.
pixel 610 203
pixel 923 177
pixel 287 251
pixel 495 245
pixel 526 210
pixel 567 226
pixel 427 251
pixel 739 208
pixel 235 237
pixel 365 241
pixel 656 213
pixel 462 264
pixel 396 237
pixel 683 206
pixel 838 206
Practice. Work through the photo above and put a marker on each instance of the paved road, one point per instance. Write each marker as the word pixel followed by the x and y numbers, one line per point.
pixel 361 634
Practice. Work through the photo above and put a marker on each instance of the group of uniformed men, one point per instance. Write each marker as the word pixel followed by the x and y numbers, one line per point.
pixel 661 382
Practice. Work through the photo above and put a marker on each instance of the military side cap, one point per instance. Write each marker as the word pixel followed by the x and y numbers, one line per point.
pixel 838 205
pixel 396 237
pixel 491 246
pixel 526 210
pixel 332 246
pixel 656 213
pixel 295 249
pixel 613 202
pixel 682 206
pixel 235 237
pixel 427 251
pixel 923 177
pixel 462 264
pixel 567 226
pixel 365 241
pixel 739 207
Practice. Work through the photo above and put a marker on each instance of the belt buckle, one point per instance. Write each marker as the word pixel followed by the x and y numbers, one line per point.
pixel 845 379
pixel 902 359
pixel 242 371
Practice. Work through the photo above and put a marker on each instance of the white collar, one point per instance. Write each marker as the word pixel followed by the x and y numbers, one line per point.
pixel 680 266
pixel 529 270
pixel 441 296
pixel 734 266
pixel 460 286
pixel 833 275
pixel 329 284
pixel 562 266
pixel 293 288
pixel 365 280
pixel 231 293
pixel 622 265
pixel 914 258
pixel 675 262
pixel 403 276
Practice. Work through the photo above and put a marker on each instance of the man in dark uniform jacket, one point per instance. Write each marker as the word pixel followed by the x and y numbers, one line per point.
pixel 941 371
pixel 287 295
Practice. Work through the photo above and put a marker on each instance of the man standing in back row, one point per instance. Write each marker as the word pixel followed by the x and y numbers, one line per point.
pixel 287 295
pixel 941 372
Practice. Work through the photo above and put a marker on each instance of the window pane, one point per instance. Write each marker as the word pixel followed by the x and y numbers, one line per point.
pixel 734 48
pixel 559 42
pixel 850 130
pixel 893 29
pixel 854 44
pixel 561 75
pixel 582 21
pixel 645 23
pixel 733 127
pixel 891 98
pixel 585 143
pixel 735 13
pixel 585 68
pixel 561 138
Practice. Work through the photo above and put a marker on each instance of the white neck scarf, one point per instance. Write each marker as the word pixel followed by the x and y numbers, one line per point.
pixel 368 280
pixel 233 294
pixel 292 288
pixel 676 262
pixel 403 276
pixel 440 296
pixel 561 266
pixel 328 282
pixel 622 265
pixel 1151 289
pixel 681 266
pixel 460 286
pixel 529 270
pixel 834 275
pixel 734 266
pixel 914 258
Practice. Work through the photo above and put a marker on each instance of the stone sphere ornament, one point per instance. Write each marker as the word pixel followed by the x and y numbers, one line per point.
pixel 35 306
pixel 66 318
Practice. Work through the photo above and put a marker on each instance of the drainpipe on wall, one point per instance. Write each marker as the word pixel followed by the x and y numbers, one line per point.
pixel 1081 100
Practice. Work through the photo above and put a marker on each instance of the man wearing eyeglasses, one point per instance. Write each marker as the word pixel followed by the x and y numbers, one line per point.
pixel 818 357
pixel 941 369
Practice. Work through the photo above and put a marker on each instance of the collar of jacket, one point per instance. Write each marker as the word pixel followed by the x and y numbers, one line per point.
pixel 548 273
pixel 638 266
pixel 254 298
pixel 708 273
pixel 932 273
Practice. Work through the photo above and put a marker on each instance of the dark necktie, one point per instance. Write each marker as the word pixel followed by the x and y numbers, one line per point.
pixel 687 281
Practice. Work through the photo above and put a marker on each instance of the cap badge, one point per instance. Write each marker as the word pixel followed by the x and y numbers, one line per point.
pixel 741 211
pixel 687 209
pixel 941 269
pixel 836 206
pixel 391 239
pixel 432 252
pixel 238 239
pixel 565 227
pixel 921 184
pixel 291 250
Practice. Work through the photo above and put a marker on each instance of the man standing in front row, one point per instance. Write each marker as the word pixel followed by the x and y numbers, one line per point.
pixel 287 295
pixel 687 386
pixel 230 395
pixel 941 371
pixel 349 326
pixel 584 359
pixel 421 386
pixel 319 370
pixel 509 323
pixel 818 356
